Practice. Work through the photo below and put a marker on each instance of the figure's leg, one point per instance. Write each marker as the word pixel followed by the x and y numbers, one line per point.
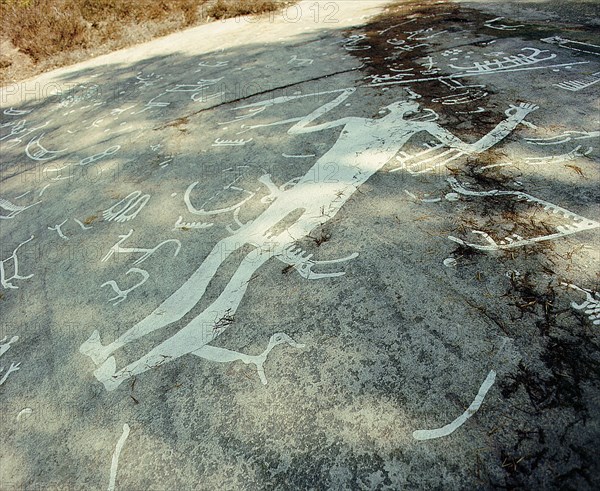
pixel 200 331
pixel 173 308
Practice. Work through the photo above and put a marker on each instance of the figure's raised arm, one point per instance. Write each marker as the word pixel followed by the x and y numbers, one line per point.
pixel 302 125
pixel 515 115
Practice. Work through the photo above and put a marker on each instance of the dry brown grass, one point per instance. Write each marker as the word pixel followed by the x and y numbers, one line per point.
pixel 224 9
pixel 38 35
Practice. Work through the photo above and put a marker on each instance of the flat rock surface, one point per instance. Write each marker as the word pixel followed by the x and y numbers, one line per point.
pixel 350 245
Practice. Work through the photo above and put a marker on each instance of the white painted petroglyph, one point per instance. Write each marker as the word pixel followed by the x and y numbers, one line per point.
pixel 117 249
pixel 352 43
pixel 450 262
pixel 198 89
pixel 559 159
pixel 580 84
pixel 36 151
pixel 229 143
pixel 24 412
pixel 5 346
pixel 573 45
pixel 591 306
pixel 115 458
pixel 203 212
pixel 564 137
pixel 222 355
pixel 427 160
pixel 59 230
pixel 251 113
pixel 122 294
pixel 494 24
pixel 301 261
pixel 425 199
pixel 475 111
pixel 397 25
pixel 492 166
pixel 154 104
pixel 82 225
pixel 19 131
pixel 486 68
pixel 402 45
pixel 94 158
pixel 300 61
pixel 118 111
pixel 5 281
pixel 363 147
pixel 218 64
pixel 473 408
pixel 455 84
pixel 508 62
pixel 91 92
pixel 577 222
pixel 461 98
pixel 126 209
pixel 16 112
pixel 13 209
pixel 181 225
pixel 424 34
pixel 288 156
pixel 13 368
pixel 147 80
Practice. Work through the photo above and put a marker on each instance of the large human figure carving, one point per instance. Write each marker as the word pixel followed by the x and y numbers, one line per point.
pixel 363 147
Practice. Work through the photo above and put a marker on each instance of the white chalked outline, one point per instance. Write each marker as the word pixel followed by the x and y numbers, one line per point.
pixel 472 409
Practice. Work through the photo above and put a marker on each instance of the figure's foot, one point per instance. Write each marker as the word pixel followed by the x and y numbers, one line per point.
pixel 105 373
pixel 94 349
pixel 277 338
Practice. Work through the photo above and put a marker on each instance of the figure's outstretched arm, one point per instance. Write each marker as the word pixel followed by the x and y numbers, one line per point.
pixel 515 115
pixel 302 125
